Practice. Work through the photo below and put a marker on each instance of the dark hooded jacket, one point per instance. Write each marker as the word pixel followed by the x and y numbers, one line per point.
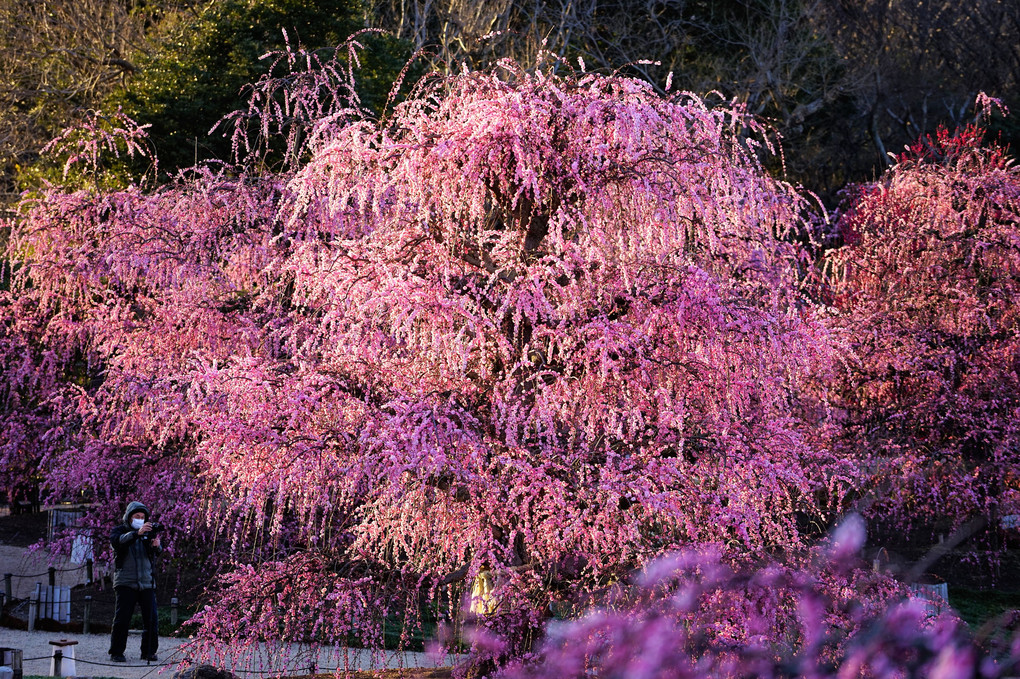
pixel 134 556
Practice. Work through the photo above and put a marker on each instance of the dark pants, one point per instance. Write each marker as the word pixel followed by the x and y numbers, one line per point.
pixel 127 597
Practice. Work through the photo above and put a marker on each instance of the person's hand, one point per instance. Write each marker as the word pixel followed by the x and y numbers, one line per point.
pixel 146 527
pixel 155 542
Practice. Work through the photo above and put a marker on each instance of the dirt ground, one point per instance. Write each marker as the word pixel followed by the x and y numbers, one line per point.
pixel 19 534
pixel 22 530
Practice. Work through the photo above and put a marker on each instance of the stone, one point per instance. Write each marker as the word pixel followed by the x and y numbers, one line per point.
pixel 204 672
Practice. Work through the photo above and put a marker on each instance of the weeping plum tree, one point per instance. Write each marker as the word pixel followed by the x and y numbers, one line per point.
pixel 927 283
pixel 540 327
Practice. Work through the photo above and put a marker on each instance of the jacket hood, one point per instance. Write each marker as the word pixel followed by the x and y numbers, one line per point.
pixel 132 508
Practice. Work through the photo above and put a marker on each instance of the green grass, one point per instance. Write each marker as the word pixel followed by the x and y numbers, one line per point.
pixel 977 607
pixel 165 628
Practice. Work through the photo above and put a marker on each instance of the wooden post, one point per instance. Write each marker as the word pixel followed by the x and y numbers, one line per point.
pixel 53 576
pixel 8 590
pixel 88 570
pixel 87 622
pixel 173 611
pixel 33 607
pixel 12 658
pixel 63 664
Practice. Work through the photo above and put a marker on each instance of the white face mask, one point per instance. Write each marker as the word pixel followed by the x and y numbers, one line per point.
pixel 137 523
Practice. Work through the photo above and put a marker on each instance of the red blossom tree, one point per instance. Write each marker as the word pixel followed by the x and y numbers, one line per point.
pixel 548 327
pixel 926 284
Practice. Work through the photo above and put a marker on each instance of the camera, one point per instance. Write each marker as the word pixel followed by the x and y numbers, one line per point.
pixel 157 528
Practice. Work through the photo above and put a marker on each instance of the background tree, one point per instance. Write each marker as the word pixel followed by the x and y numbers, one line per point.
pixel 918 65
pixel 843 83
pixel 204 60
pixel 57 58
pixel 178 65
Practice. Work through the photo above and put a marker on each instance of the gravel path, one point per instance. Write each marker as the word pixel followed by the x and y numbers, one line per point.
pixel 91 659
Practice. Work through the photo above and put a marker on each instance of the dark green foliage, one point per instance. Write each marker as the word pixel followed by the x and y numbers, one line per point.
pixel 978 607
pixel 207 57
pixel 1005 129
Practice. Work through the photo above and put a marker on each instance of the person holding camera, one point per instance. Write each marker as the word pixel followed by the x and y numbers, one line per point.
pixel 136 544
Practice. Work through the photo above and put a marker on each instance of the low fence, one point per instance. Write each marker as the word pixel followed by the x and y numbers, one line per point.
pixel 61 660
pixel 935 596
pixel 52 602
pixel 23 506
pixel 57 657
pixel 46 602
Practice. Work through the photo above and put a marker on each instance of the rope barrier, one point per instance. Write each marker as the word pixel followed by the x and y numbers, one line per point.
pixel 15 575
pixel 155 667
pixel 279 672
pixel 106 599
pixel 55 570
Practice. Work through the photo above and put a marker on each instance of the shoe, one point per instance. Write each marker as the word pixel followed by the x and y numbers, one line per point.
pixel 151 657
pixel 117 658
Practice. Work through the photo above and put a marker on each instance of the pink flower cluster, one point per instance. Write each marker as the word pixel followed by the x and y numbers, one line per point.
pixel 694 615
